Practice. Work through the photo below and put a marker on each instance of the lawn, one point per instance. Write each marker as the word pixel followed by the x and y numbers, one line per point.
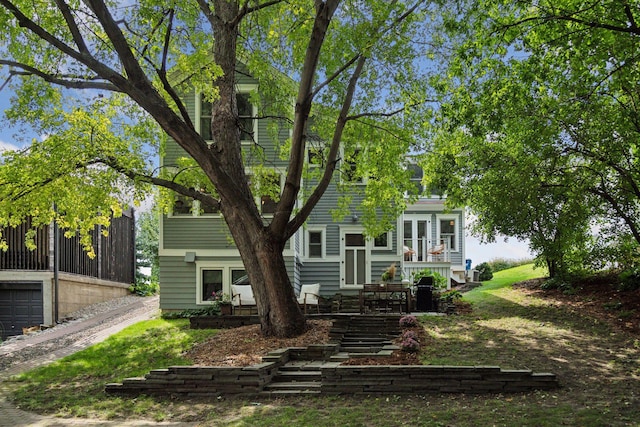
pixel 598 367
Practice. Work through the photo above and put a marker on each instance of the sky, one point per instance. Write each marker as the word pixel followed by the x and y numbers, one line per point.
pixel 477 252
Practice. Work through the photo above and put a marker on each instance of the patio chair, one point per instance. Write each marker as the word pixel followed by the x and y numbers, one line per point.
pixel 436 251
pixel 242 297
pixel 309 295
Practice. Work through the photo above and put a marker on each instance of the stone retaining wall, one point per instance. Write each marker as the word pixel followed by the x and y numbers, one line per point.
pixel 218 380
pixel 431 379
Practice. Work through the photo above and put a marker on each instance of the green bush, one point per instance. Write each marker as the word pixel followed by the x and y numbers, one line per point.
pixel 144 287
pixel 630 280
pixel 486 272
pixel 439 281
pixel 212 310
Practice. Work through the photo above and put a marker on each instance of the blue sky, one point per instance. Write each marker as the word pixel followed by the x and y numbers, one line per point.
pixel 475 251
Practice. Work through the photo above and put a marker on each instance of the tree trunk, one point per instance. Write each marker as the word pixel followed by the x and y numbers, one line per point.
pixel 278 309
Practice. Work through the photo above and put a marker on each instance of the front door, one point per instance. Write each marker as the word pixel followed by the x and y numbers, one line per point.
pixel 354 261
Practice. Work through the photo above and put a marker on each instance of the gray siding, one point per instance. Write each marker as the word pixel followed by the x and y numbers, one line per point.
pixel 178 284
pixel 183 231
pixel 326 273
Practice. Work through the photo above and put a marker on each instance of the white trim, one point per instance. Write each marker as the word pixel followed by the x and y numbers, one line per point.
pixel 389 244
pixel 240 88
pixel 323 241
pixel 456 230
pixel 226 277
pixel 354 229
pixel 218 253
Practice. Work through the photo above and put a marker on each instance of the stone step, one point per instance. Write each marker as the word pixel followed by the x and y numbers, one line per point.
pixel 363 349
pixel 361 340
pixel 296 376
pixel 339 357
pixel 294 386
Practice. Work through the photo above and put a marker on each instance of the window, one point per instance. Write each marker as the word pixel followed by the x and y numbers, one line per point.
pixel 237 273
pixel 382 241
pixel 211 282
pixel 212 277
pixel 182 205
pixel 448 233
pixel 350 168
pixel 315 244
pixel 416 179
pixel 267 184
pixel 245 117
pixel 315 157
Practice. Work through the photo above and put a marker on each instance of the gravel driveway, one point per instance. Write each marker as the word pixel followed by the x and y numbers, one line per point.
pixel 80 330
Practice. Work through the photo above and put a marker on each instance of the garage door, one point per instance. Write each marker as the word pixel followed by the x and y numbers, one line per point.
pixel 20 306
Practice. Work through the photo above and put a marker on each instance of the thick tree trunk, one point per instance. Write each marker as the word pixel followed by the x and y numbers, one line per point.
pixel 260 247
pixel 278 308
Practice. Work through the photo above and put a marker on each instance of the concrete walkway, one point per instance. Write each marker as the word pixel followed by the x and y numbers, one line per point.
pixel 91 331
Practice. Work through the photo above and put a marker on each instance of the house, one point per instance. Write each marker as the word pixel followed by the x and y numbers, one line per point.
pixel 198 256
pixel 44 285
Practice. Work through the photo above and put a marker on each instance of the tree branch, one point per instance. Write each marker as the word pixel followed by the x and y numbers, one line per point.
pixel 205 198
pixel 73 27
pixel 71 84
pixel 246 10
pixel 332 157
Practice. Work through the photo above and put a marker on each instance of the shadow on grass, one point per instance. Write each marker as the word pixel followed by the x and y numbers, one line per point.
pixel 597 366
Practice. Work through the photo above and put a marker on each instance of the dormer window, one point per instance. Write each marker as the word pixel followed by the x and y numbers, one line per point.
pixel 349 168
pixel 245 117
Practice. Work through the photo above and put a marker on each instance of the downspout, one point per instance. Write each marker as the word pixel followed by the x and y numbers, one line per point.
pixel 56 266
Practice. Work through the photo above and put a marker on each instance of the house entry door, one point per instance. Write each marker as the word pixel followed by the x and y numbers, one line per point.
pixel 355 259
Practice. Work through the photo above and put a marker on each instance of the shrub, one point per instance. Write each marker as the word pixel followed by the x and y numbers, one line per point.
pixel 408 321
pixel 144 288
pixel 451 296
pixel 630 280
pixel 486 273
pixel 409 334
pixel 211 310
pixel 409 345
pixel 439 281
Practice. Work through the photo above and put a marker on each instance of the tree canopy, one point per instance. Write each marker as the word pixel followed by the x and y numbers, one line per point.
pixel 104 82
pixel 538 132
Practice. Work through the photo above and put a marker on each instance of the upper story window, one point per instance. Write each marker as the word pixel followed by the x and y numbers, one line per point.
pixel 416 179
pixel 350 168
pixel 245 117
pixel 382 241
pixel 266 185
pixel 448 232
pixel 184 205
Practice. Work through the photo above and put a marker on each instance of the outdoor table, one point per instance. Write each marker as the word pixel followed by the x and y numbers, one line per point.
pixel 384 297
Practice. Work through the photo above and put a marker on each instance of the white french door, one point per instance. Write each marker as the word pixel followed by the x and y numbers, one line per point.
pixel 355 255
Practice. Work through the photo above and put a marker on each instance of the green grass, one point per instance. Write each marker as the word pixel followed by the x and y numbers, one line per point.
pixel 74 385
pixel 597 366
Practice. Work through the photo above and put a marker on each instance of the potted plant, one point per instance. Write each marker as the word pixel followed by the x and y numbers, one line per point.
pixel 389 274
pixel 223 302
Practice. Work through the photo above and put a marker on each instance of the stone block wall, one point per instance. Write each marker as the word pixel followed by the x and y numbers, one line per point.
pixel 431 379
pixel 218 380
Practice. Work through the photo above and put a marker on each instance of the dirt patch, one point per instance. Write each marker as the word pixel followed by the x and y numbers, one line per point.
pixel 245 345
pixel 596 297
